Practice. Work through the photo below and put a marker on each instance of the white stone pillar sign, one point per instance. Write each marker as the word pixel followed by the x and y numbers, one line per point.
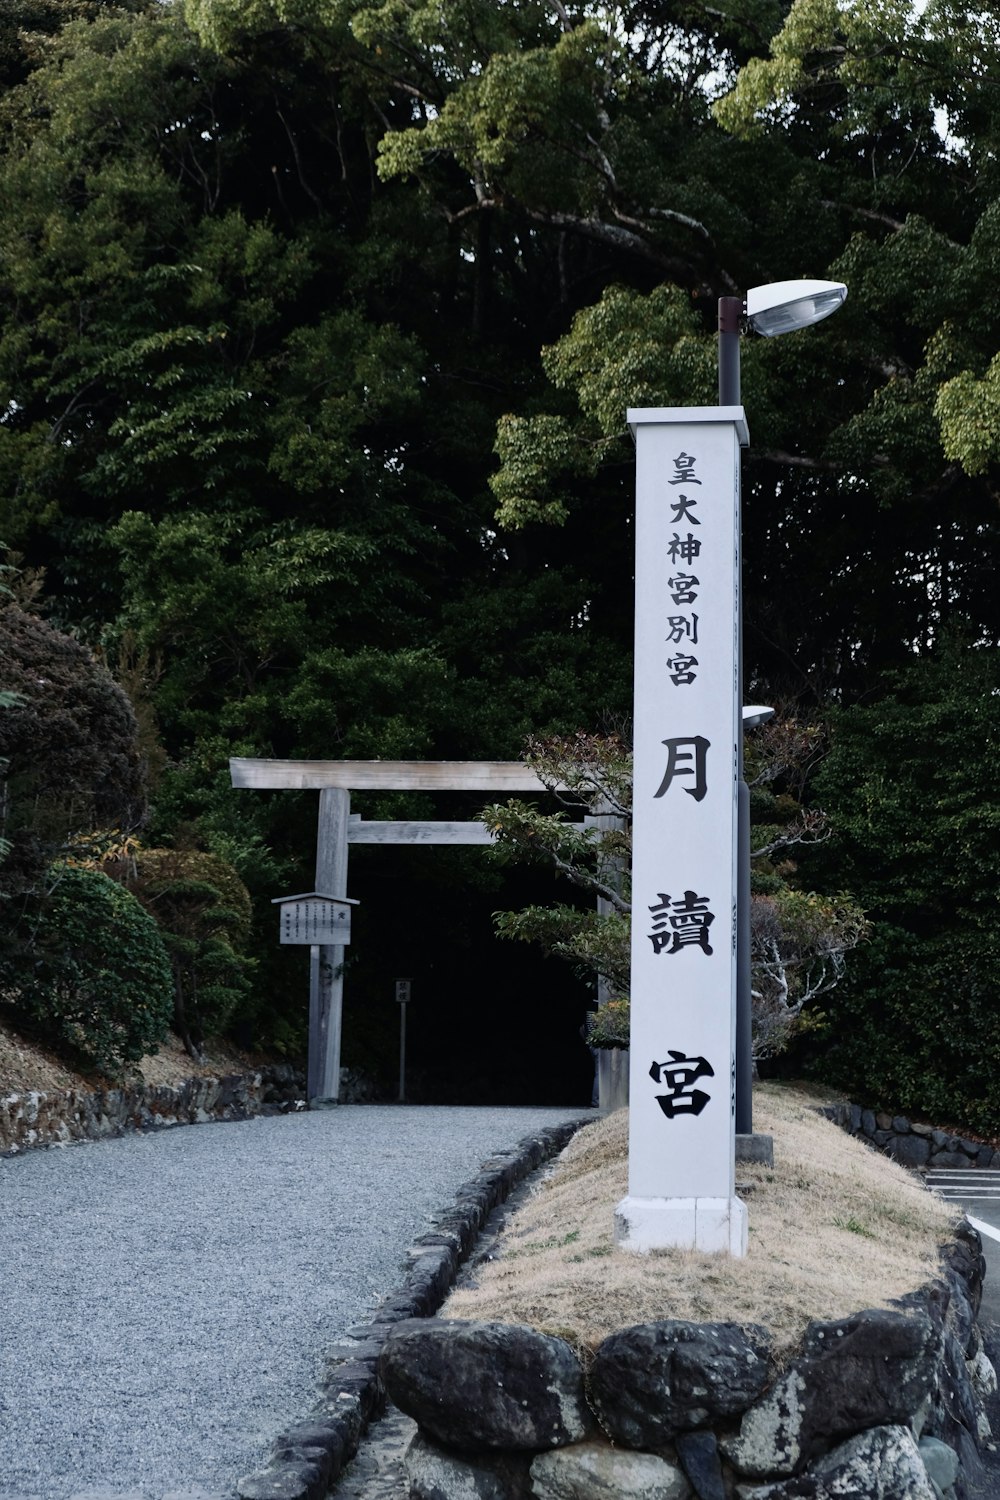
pixel 681 1189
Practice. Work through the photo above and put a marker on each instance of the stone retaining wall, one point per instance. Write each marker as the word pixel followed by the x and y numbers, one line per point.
pixel 887 1404
pixel 909 1142
pixel 57 1118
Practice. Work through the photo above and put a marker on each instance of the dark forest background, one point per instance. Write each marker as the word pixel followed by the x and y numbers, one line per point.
pixel 318 324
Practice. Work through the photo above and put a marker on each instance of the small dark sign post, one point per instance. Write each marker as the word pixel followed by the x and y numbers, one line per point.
pixel 403 999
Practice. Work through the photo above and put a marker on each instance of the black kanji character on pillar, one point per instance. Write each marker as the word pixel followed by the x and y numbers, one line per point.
pixel 682 628
pixel 682 511
pixel 689 922
pixel 680 669
pixel 679 1074
pixel 683 551
pixel 697 754
pixel 684 470
pixel 683 587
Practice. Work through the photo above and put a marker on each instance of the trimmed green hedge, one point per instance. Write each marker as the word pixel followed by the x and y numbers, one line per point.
pixel 98 977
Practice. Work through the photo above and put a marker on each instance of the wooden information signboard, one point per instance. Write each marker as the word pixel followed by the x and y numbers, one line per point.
pixel 313 918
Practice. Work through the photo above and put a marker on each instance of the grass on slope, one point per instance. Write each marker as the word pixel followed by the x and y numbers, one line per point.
pixel 26 1063
pixel 834 1228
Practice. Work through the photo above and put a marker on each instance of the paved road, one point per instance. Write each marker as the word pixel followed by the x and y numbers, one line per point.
pixel 977 1193
pixel 165 1301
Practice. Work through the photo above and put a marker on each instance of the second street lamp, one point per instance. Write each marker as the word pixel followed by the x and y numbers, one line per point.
pixel 779 307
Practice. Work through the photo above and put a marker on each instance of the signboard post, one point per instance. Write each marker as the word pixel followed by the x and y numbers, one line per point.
pixel 687 722
pixel 403 999
pixel 321 921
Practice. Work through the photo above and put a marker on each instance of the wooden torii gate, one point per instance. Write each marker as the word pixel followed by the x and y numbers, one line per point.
pixel 337 829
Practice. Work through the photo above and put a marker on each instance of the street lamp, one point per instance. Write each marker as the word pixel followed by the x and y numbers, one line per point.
pixel 779 307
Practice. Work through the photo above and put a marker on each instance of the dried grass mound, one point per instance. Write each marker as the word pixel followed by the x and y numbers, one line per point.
pixel 834 1228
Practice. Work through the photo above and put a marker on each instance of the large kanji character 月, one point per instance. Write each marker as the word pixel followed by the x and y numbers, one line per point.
pixel 678 758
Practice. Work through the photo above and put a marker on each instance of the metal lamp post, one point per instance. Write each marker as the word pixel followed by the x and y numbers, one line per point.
pixel 780 307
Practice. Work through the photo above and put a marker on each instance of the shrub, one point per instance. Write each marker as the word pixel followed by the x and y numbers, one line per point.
pixel 68 752
pixel 608 1027
pixel 203 911
pixel 96 977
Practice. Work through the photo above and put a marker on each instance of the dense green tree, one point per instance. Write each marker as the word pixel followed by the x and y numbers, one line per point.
pixel 204 914
pixel 275 395
pixel 910 784
pixel 856 427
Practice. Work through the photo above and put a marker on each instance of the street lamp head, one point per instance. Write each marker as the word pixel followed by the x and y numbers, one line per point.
pixel 755 714
pixel 783 306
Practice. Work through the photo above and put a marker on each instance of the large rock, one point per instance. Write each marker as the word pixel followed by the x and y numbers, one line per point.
pixel 699 1456
pixel 596 1471
pixel 964 1255
pixel 957 1405
pixel 293 1480
pixel 877 1368
pixel 881 1464
pixel 653 1381
pixel 940 1461
pixel 912 1151
pixel 437 1474
pixel 486 1385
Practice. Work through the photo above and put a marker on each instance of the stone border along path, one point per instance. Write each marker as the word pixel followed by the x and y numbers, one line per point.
pixel 378 1470
pixel 33 1120
pixel 308 1457
pixel 57 1401
pixel 381 1470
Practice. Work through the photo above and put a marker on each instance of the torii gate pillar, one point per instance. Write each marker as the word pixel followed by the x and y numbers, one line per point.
pixel 326 964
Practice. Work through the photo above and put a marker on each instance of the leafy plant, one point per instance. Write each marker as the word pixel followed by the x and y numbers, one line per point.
pixel 68 744
pixel 203 912
pixel 608 1027
pixel 910 783
pixel 799 939
pixel 96 977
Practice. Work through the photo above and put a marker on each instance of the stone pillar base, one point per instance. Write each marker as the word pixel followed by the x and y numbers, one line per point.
pixel 758 1148
pixel 612 1078
pixel 712 1224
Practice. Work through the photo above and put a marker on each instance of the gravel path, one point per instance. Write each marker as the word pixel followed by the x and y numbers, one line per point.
pixel 166 1300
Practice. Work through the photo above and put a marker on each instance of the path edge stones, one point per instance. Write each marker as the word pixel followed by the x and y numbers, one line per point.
pixel 308 1456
